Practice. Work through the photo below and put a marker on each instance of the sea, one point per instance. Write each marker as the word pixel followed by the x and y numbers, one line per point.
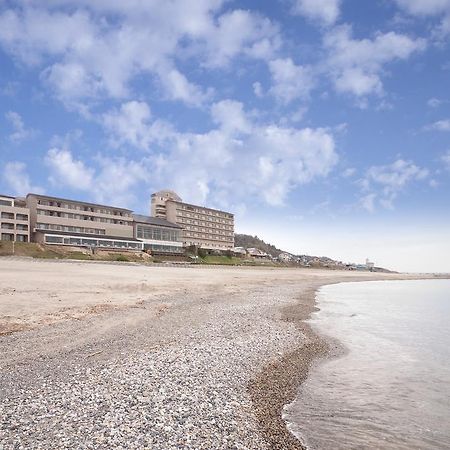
pixel 389 386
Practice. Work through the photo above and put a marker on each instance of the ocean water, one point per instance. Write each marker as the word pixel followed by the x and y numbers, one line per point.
pixel 391 387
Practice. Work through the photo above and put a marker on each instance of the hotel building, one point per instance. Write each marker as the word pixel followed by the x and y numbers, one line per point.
pixel 204 227
pixel 158 235
pixel 14 219
pixel 68 222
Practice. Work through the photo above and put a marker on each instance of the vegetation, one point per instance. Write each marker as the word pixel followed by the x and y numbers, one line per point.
pixel 247 241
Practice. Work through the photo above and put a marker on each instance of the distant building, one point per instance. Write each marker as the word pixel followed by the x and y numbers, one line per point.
pixel 203 227
pixel 240 251
pixel 257 253
pixel 158 235
pixel 14 219
pixel 60 221
pixel 369 265
pixel 285 257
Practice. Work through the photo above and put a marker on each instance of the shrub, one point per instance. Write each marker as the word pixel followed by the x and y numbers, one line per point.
pixel 122 258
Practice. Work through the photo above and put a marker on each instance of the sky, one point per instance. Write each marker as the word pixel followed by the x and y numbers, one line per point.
pixel 324 125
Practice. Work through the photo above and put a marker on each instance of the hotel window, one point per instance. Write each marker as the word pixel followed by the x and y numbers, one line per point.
pixel 6 202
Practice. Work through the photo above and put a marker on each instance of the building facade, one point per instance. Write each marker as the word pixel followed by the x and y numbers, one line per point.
pixel 158 235
pixel 68 222
pixel 203 227
pixel 14 219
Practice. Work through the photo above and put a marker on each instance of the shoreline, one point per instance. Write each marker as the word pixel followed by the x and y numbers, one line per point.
pixel 200 358
pixel 277 384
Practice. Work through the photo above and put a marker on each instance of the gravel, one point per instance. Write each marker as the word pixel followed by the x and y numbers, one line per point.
pixel 176 379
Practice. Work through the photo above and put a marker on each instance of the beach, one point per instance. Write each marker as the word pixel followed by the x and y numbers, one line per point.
pixel 116 355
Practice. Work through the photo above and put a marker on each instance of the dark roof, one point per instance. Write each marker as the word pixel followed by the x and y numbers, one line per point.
pixel 78 201
pixel 155 221
pixel 6 196
pixel 88 235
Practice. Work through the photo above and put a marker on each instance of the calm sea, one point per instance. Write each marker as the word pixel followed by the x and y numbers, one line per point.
pixel 391 389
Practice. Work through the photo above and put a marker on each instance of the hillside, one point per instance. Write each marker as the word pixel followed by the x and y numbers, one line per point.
pixel 247 241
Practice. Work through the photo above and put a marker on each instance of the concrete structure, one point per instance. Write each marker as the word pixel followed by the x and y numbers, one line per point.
pixel 158 235
pixel 203 227
pixel 68 222
pixel 14 219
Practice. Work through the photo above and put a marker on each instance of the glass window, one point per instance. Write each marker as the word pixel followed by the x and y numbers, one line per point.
pixel 6 202
pixel 53 239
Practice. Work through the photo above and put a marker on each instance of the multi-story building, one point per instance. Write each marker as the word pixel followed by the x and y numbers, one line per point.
pixel 14 219
pixel 203 227
pixel 158 235
pixel 68 222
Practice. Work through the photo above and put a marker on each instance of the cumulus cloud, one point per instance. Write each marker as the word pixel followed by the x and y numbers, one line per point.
pixel 20 132
pixel 325 11
pixel 111 181
pixel 356 65
pixel 132 124
pixel 424 7
pixel 245 160
pixel 16 177
pixel 430 8
pixel 89 49
pixel 383 184
pixel 290 81
pixel 440 125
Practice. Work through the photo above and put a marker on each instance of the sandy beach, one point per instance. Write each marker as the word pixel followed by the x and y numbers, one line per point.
pixel 98 355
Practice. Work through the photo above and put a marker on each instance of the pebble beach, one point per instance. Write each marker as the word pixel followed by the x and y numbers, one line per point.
pixel 101 356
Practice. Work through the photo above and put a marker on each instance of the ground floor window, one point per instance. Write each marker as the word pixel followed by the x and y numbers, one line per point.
pixel 7 237
pixel 163 248
pixel 92 242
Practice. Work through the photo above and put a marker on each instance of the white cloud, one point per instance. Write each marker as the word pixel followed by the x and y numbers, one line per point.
pixel 290 81
pixel 430 8
pixel 20 132
pixel 325 11
pixel 440 125
pixel 257 89
pixel 243 160
pixel 90 49
pixel 67 171
pixel 424 7
pixel 132 124
pixel 349 172
pixel 229 114
pixel 111 182
pixel 356 65
pixel 434 102
pixel 384 183
pixel 240 32
pixel 16 177
pixel 446 159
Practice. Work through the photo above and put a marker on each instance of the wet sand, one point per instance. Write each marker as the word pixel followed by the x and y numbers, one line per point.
pixel 236 334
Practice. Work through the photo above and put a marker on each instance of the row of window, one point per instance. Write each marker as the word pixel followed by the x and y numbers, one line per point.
pixel 10 226
pixel 90 242
pixel 79 207
pixel 11 216
pixel 205 211
pixel 163 248
pixel 6 202
pixel 43 212
pixel 69 229
pixel 10 237
pixel 202 217
pixel 205 224
pixel 156 233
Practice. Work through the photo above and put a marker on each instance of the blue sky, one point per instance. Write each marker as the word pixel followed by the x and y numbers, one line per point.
pixel 323 124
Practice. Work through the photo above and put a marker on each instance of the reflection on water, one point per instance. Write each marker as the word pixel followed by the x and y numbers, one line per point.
pixel 391 390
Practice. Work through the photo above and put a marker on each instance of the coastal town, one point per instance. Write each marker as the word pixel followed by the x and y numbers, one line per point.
pixel 173 229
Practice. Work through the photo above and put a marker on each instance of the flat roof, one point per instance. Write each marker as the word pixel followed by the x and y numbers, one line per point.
pixel 77 201
pixel 155 221
pixel 88 235
pixel 203 207
pixel 7 196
